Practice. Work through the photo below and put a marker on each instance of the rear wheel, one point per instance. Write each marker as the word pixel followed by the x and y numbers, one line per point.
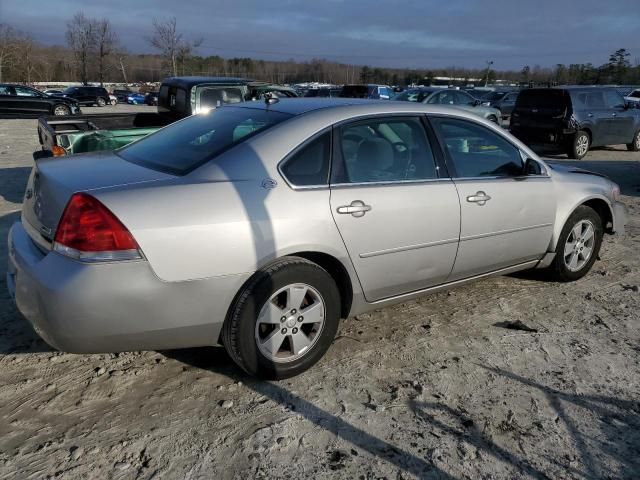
pixel 101 102
pixel 284 320
pixel 578 245
pixel 579 146
pixel 60 110
pixel 635 145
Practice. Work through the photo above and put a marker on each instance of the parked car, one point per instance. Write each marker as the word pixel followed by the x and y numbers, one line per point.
pixel 261 224
pixel 377 92
pixel 151 98
pixel 451 97
pixel 323 92
pixel 503 101
pixel 86 95
pixel 633 96
pixel 121 95
pixel 136 98
pixel 113 100
pixel 574 119
pixel 188 95
pixel 22 101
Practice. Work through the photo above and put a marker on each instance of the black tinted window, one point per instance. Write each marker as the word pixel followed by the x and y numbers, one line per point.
pixel 310 164
pixel 385 150
pixel 187 144
pixel 547 98
pixel 476 151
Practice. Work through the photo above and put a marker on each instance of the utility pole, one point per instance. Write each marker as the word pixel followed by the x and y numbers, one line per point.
pixel 486 78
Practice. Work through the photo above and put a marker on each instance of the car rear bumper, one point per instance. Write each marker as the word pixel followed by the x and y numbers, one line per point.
pixel 121 306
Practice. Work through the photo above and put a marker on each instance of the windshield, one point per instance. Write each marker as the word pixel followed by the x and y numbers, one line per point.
pixel 185 145
pixel 413 95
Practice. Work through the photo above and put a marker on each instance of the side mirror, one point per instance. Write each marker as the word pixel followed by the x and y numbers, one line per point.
pixel 531 167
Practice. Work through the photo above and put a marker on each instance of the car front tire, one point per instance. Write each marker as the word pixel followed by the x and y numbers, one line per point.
pixel 579 145
pixel 60 110
pixel 284 320
pixel 578 246
pixel 634 146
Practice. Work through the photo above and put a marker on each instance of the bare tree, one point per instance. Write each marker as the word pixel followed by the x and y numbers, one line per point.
pixel 8 45
pixel 121 61
pixel 106 42
pixel 28 65
pixel 81 38
pixel 171 44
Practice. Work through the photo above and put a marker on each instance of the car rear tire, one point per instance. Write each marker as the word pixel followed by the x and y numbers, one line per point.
pixel 101 102
pixel 579 145
pixel 60 110
pixel 578 246
pixel 635 145
pixel 284 320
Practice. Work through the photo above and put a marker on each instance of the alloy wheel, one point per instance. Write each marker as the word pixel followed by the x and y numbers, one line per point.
pixel 579 245
pixel 582 145
pixel 290 323
pixel 60 110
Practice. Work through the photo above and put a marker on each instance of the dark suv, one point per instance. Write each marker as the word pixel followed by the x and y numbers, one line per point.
pixel 573 119
pixel 87 95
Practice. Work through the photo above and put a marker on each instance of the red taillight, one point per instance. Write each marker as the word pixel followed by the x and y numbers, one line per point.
pixel 89 230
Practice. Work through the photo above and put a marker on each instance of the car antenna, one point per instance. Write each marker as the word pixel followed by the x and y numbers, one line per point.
pixel 270 98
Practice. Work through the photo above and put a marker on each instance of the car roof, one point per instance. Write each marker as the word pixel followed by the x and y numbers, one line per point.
pixel 302 105
pixel 188 82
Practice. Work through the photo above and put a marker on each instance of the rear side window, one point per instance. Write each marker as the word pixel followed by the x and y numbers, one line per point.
pixel 310 164
pixel 187 144
pixel 355 91
pixel 613 99
pixel 385 150
pixel 214 97
pixel 476 151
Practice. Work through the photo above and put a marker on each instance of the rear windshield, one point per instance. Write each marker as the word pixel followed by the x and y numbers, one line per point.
pixel 550 98
pixel 355 91
pixel 187 144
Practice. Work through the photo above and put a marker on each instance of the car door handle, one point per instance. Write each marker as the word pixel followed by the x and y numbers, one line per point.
pixel 614 114
pixel 357 208
pixel 590 115
pixel 480 198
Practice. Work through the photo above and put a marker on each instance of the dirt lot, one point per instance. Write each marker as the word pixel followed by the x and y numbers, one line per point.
pixel 435 388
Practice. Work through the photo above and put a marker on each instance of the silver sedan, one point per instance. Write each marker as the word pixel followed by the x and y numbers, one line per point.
pixel 258 226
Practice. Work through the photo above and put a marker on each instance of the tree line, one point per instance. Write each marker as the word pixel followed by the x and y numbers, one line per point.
pixel 95 53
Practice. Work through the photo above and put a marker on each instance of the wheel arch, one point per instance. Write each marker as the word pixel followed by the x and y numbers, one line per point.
pixel 598 203
pixel 328 262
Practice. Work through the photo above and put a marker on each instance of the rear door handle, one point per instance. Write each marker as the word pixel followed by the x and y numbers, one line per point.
pixel 614 114
pixel 480 198
pixel 357 208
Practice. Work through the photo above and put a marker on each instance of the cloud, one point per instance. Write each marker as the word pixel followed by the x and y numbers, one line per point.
pixel 404 33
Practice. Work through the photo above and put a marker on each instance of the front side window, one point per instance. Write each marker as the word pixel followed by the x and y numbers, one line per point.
pixel 385 150
pixel 187 144
pixel 309 166
pixel 476 151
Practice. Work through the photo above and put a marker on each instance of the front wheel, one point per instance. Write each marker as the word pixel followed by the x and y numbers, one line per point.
pixel 284 320
pixel 113 102
pixel 579 146
pixel 578 245
pixel 60 110
pixel 634 146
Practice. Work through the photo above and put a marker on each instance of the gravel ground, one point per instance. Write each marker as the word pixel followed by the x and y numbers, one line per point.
pixel 434 388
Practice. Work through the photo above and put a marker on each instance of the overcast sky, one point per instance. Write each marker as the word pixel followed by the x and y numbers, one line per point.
pixel 401 33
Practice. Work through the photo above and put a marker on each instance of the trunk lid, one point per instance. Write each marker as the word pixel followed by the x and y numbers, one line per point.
pixel 54 180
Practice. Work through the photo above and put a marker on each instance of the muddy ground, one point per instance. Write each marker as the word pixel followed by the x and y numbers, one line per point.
pixel 434 388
